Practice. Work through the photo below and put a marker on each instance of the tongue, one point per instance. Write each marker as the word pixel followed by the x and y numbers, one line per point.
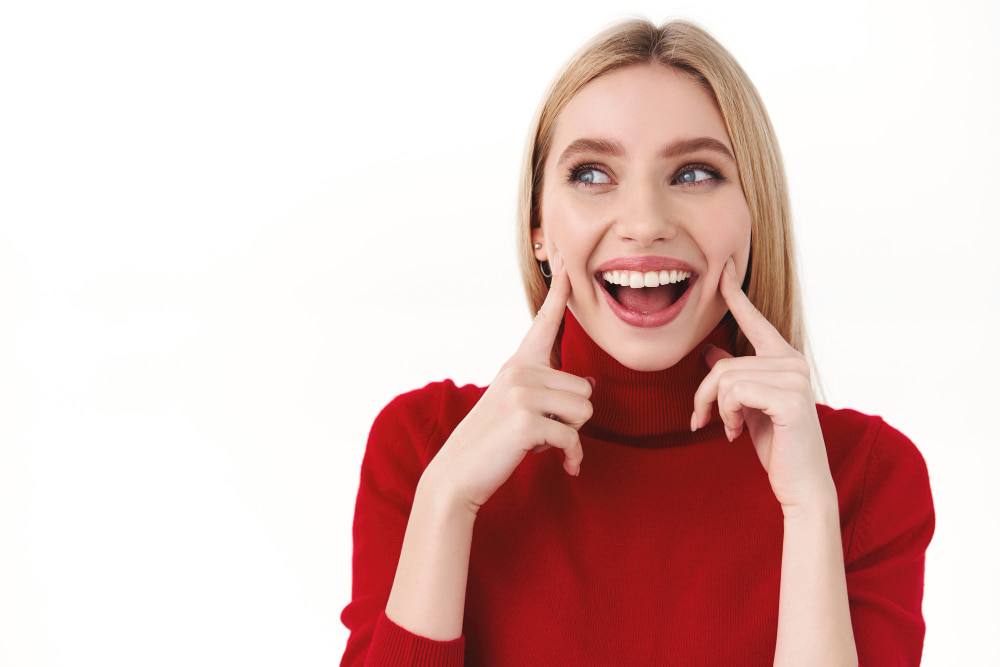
pixel 649 299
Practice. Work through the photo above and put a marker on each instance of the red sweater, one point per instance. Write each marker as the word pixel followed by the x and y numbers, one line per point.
pixel 665 550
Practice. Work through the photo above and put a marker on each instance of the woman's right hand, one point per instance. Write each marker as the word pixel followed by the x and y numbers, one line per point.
pixel 529 406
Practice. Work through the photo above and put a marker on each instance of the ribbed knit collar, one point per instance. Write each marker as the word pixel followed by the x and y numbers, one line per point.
pixel 636 408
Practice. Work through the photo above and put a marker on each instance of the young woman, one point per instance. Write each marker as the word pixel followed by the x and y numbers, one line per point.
pixel 706 510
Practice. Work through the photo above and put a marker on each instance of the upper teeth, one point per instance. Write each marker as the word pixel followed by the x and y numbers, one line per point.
pixel 647 279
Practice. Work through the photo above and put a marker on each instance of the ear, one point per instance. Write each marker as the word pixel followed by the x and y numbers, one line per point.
pixel 537 236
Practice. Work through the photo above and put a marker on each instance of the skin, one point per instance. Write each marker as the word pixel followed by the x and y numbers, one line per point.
pixel 640 206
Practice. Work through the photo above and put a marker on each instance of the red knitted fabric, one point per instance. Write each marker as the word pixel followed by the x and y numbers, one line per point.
pixel 665 550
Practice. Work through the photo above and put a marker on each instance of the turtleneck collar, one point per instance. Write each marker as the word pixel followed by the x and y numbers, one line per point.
pixel 636 408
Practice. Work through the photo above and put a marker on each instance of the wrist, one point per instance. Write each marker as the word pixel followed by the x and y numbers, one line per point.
pixel 436 491
pixel 821 505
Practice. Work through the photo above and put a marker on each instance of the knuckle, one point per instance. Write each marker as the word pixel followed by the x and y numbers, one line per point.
pixel 524 425
pixel 517 376
pixel 519 395
pixel 723 365
pixel 510 373
pixel 567 436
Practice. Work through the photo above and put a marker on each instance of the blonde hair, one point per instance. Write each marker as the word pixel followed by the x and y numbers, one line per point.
pixel 771 282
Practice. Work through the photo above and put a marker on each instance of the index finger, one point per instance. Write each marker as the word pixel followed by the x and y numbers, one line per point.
pixel 766 340
pixel 537 344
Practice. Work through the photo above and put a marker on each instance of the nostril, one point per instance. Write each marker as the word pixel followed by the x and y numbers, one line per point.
pixel 646 231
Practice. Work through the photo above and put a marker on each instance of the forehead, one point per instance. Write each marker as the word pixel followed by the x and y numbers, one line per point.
pixel 642 107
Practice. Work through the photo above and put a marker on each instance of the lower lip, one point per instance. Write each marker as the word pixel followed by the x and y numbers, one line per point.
pixel 648 320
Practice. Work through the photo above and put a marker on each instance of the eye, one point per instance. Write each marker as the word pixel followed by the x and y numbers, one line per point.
pixel 592 176
pixel 697 174
pixel 589 175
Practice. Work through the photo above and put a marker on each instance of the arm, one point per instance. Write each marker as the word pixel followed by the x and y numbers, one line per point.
pixel 769 395
pixel 814 620
pixel 885 555
pixel 884 551
pixel 394 463
pixel 529 405
pixel 434 564
pixel 422 531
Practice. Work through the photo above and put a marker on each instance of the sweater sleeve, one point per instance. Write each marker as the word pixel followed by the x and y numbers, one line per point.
pixel 885 555
pixel 394 460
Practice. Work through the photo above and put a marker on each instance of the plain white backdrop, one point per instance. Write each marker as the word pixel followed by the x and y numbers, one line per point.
pixel 231 232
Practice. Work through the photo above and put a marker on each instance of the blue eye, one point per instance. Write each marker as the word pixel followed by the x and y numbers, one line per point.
pixel 694 175
pixel 590 176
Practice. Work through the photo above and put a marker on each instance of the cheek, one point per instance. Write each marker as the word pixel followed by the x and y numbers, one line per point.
pixel 741 240
pixel 566 225
pixel 744 235
pixel 730 234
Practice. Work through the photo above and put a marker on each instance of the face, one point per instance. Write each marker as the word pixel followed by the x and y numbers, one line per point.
pixel 641 195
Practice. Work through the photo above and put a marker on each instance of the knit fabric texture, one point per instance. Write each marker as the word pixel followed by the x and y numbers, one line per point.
pixel 666 550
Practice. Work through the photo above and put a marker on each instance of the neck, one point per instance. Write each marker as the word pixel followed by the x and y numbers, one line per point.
pixel 636 408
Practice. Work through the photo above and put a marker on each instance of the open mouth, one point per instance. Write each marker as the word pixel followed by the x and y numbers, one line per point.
pixel 645 292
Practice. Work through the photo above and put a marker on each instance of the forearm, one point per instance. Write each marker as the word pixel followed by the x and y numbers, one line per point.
pixel 428 592
pixel 814 617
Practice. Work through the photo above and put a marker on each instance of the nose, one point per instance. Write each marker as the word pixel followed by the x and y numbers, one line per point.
pixel 646 216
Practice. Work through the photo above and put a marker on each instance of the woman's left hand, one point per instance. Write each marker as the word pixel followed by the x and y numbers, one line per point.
pixel 771 395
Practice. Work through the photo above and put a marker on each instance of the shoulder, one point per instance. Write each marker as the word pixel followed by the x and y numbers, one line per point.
pixel 425 417
pixel 882 481
pixel 852 436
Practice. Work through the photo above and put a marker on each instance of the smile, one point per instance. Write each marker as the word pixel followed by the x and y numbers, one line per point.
pixel 646 291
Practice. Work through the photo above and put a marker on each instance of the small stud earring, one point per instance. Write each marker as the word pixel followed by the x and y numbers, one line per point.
pixel 538 246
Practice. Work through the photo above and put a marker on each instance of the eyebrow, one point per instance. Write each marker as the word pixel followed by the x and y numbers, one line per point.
pixel 684 146
pixel 601 146
pixel 671 150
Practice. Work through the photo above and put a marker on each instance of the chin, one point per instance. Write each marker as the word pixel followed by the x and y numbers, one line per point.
pixel 647 357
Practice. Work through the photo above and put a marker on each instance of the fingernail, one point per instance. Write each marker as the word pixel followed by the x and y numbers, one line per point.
pixel 694 422
pixel 729 434
pixel 731 267
pixel 704 350
pixel 592 381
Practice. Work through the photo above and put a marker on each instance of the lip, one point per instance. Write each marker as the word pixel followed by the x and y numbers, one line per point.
pixel 646 263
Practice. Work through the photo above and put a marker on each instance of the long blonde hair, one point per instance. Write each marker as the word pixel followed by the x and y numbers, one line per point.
pixel 771 283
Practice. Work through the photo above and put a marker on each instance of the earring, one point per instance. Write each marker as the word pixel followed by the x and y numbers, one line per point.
pixel 541 264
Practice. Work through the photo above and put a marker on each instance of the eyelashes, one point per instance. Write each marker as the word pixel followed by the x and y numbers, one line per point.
pixel 579 173
pixel 591 175
pixel 680 176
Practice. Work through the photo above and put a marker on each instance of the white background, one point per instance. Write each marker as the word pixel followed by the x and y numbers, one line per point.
pixel 231 232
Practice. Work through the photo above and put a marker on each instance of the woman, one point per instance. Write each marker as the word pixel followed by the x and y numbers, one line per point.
pixel 657 253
